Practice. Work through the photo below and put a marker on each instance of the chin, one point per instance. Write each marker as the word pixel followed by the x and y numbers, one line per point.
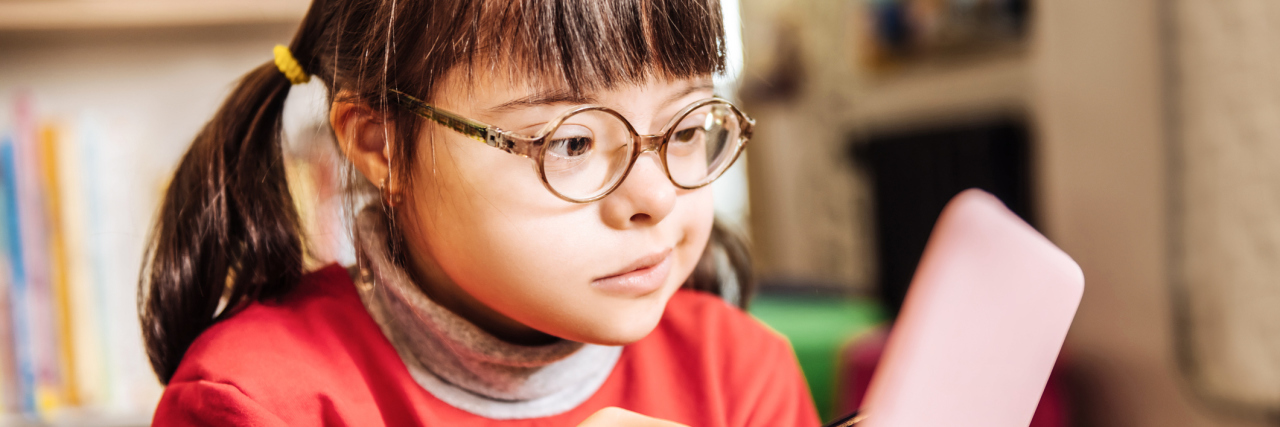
pixel 621 327
pixel 623 334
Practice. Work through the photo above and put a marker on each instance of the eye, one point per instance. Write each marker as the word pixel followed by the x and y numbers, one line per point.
pixel 571 147
pixel 690 129
pixel 688 136
pixel 685 136
pixel 571 142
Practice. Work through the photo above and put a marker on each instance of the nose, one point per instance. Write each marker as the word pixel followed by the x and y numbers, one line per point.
pixel 645 197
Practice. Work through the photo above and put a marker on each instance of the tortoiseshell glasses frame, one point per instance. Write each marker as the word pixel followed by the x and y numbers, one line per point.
pixel 535 147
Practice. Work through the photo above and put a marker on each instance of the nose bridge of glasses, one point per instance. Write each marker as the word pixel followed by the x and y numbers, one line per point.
pixel 650 142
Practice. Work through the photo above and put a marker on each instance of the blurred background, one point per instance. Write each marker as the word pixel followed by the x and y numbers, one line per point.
pixel 1143 137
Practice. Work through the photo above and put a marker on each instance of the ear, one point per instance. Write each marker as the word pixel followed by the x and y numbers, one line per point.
pixel 364 136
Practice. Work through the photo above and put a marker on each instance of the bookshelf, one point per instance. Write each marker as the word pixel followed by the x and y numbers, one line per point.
pixel 67 15
pixel 121 86
pixel 991 85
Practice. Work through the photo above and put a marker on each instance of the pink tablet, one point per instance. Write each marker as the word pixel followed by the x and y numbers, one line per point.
pixel 981 327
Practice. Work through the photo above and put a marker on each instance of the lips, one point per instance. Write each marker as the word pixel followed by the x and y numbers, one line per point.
pixel 640 278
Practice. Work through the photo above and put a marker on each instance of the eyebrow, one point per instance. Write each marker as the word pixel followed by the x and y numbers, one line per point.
pixel 544 98
pixel 567 97
pixel 704 85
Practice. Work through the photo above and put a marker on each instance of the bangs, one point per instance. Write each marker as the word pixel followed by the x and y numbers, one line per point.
pixel 580 45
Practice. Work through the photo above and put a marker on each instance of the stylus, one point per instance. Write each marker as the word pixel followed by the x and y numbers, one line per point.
pixel 846 421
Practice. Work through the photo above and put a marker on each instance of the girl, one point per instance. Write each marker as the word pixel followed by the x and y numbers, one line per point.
pixel 539 246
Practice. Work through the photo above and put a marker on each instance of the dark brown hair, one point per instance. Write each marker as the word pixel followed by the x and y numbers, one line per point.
pixel 228 233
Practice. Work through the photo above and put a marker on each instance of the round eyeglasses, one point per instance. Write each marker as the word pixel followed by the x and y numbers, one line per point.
pixel 585 153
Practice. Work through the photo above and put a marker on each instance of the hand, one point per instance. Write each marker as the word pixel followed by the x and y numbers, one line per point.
pixel 618 417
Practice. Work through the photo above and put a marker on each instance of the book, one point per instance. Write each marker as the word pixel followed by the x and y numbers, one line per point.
pixel 23 381
pixel 50 139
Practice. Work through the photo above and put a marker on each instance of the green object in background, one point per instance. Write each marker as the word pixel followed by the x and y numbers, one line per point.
pixel 818 328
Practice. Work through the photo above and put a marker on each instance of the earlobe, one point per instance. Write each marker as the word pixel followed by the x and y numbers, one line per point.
pixel 363 137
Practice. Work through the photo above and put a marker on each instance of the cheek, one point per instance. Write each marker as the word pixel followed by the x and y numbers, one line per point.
pixel 534 270
pixel 701 207
pixel 698 214
pixel 498 234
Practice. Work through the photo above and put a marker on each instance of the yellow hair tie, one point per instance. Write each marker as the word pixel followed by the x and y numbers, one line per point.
pixel 289 66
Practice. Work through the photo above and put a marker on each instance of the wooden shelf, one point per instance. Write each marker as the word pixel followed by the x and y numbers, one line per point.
pixel 79 417
pixel 989 86
pixel 70 15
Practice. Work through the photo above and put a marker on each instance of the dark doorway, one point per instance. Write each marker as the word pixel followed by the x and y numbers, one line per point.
pixel 916 172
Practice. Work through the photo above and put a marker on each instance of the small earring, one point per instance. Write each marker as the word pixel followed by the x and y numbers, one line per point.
pixel 388 198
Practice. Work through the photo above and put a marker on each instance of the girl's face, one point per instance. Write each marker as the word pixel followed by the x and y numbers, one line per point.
pixel 495 246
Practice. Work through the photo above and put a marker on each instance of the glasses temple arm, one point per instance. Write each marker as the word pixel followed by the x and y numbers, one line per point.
pixel 473 130
pixel 749 128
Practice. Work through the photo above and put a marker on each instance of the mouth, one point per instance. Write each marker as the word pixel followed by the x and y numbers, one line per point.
pixel 642 277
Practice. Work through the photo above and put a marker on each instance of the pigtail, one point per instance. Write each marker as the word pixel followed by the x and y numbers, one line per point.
pixel 227 231
pixel 227 225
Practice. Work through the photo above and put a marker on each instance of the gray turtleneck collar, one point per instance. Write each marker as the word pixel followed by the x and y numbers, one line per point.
pixel 458 362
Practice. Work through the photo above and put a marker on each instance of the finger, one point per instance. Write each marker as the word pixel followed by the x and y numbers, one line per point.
pixel 618 417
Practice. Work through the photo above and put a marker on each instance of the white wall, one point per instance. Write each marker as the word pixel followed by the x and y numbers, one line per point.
pixel 1099 105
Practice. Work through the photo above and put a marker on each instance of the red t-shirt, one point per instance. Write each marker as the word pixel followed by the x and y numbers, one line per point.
pixel 317 358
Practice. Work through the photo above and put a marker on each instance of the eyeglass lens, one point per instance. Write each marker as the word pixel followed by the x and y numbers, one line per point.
pixel 590 150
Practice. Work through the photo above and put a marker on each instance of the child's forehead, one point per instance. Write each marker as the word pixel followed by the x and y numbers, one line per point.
pixel 501 90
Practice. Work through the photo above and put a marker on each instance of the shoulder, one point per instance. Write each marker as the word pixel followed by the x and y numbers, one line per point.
pixel 194 403
pixel 316 341
pixel 276 335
